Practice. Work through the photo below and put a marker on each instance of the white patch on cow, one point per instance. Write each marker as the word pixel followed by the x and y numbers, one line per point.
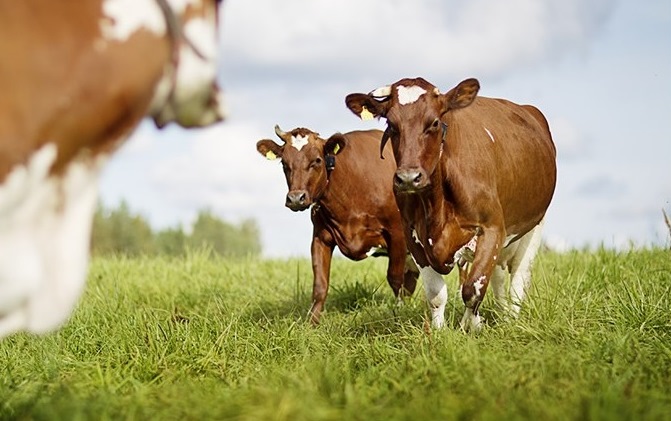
pixel 436 295
pixel 477 285
pixel 375 249
pixel 179 6
pixel 431 241
pixel 415 237
pixel 45 230
pixel 195 76
pixel 491 136
pixel 381 92
pixel 470 321
pixel 409 94
pixel 123 18
pixel 466 253
pixel 299 141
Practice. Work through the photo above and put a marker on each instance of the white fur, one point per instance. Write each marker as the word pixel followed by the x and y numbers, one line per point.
pixel 299 141
pixel 123 18
pixel 45 228
pixel 381 92
pixel 409 94
pixel 470 321
pixel 491 136
pixel 520 266
pixel 195 74
pixel 477 285
pixel 436 295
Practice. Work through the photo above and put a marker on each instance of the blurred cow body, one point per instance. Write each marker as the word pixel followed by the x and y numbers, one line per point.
pixel 475 177
pixel 76 79
pixel 350 191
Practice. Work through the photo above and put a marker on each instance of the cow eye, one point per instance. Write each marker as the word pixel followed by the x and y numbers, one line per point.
pixel 316 163
pixel 434 125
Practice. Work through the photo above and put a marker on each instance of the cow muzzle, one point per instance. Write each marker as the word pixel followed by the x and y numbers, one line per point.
pixel 297 200
pixel 410 180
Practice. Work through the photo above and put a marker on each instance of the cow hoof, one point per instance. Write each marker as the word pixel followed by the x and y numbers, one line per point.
pixel 471 322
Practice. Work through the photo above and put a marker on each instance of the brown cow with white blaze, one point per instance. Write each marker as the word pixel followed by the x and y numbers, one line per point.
pixel 76 79
pixel 350 191
pixel 475 177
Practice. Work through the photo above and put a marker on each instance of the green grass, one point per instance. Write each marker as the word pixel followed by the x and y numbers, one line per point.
pixel 199 338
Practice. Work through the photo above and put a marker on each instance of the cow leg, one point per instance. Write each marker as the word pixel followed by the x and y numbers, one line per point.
pixel 396 268
pixel 436 295
pixel 499 287
pixel 475 288
pixel 520 266
pixel 410 275
pixel 321 269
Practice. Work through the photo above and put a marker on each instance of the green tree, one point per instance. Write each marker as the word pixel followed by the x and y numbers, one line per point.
pixel 225 239
pixel 119 231
pixel 171 242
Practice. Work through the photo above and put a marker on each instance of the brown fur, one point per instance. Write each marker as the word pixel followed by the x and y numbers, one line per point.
pixel 56 87
pixel 353 206
pixel 475 186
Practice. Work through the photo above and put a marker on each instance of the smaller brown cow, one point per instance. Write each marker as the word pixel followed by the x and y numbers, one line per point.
pixel 475 177
pixel 350 191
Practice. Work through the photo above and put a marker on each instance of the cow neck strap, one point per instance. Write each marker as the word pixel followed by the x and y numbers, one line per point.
pixel 329 163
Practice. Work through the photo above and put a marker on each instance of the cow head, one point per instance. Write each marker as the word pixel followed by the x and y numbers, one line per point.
pixel 304 158
pixel 415 111
pixel 188 92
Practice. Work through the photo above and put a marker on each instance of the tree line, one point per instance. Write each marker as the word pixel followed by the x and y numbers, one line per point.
pixel 121 231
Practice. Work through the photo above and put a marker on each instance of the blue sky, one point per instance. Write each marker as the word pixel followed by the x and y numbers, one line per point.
pixel 599 70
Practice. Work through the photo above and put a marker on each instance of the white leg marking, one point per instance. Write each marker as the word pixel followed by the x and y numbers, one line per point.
pixel 436 295
pixel 520 266
pixel 498 284
pixel 44 241
pixel 470 321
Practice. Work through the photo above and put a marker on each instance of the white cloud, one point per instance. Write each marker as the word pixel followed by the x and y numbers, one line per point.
pixel 292 62
pixel 352 38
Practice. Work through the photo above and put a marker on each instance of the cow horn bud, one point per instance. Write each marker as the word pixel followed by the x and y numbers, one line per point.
pixel 381 92
pixel 279 132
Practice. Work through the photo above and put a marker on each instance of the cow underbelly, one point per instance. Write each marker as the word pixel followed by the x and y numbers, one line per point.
pixel 45 227
pixel 359 245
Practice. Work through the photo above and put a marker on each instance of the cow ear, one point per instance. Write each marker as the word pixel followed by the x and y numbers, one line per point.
pixel 269 149
pixel 335 144
pixel 365 106
pixel 462 95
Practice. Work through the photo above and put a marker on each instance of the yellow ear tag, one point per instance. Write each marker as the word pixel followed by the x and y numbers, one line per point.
pixel 336 148
pixel 365 114
pixel 270 155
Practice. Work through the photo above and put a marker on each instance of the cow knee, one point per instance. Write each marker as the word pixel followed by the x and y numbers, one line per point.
pixel 473 292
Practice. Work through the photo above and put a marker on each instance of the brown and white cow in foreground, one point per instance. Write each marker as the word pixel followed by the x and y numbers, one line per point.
pixel 475 177
pixel 350 191
pixel 76 79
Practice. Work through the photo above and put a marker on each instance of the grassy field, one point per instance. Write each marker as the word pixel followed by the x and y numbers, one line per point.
pixel 200 338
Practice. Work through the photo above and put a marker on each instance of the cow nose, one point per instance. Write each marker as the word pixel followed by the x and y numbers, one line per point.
pixel 408 179
pixel 296 200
